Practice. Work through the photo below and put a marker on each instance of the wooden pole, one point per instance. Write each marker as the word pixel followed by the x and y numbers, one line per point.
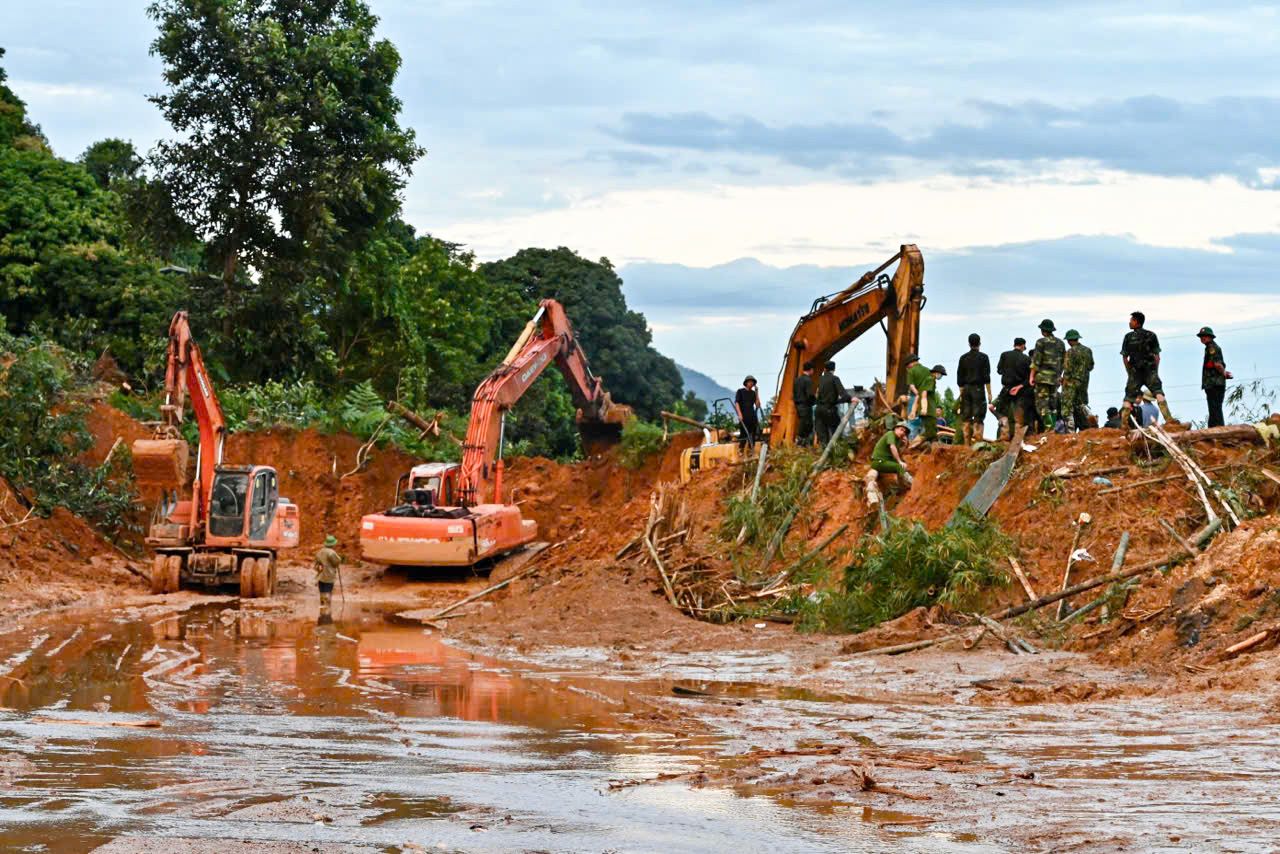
pixel 755 487
pixel 1022 576
pixel 1164 479
pixel 1066 573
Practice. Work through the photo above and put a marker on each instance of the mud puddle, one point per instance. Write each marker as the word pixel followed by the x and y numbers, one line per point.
pixel 217 729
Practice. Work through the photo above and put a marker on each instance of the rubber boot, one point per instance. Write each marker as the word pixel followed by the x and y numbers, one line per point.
pixel 1004 432
pixel 1163 406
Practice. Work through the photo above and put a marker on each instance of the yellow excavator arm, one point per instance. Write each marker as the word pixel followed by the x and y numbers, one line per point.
pixel 835 321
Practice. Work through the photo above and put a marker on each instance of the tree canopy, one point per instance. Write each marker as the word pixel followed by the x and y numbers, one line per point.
pixel 617 340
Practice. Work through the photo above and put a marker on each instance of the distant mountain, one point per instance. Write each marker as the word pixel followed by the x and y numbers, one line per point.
pixel 702 385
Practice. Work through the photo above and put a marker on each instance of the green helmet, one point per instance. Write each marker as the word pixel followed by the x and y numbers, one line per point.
pixel 330 541
pixel 1205 332
pixel 1046 325
pixel 1072 335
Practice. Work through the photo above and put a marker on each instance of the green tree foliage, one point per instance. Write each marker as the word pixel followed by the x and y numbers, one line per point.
pixel 288 152
pixel 111 162
pixel 62 266
pixel 617 340
pixel 15 129
pixel 41 433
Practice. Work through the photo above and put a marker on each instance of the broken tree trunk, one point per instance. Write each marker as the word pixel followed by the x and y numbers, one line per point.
pixel 432 426
pixel 1022 577
pixel 1247 433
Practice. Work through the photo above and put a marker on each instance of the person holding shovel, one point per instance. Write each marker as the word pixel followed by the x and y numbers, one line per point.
pixel 328 564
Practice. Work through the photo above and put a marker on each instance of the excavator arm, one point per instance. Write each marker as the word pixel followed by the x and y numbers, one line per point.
pixel 161 460
pixel 547 337
pixel 835 321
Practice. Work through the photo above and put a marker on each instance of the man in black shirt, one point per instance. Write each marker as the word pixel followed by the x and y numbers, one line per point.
pixel 802 395
pixel 1013 404
pixel 831 393
pixel 973 375
pixel 746 402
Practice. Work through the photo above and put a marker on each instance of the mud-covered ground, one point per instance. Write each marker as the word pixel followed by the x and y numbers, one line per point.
pixel 576 710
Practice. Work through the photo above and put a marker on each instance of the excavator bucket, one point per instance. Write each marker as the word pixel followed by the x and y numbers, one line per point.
pixel 598 435
pixel 160 463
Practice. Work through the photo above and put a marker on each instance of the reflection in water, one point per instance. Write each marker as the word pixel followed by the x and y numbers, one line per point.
pixel 346 731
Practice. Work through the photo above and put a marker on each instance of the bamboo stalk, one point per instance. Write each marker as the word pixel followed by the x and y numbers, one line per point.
pixel 1164 479
pixel 1022 577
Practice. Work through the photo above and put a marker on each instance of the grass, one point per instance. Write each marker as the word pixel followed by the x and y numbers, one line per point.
pixel 640 441
pixel 779 493
pixel 908 566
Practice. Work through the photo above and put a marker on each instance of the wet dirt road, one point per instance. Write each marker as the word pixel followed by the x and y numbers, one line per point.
pixel 222 730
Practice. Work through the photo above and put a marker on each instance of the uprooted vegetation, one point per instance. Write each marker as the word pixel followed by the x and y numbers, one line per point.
pixel 907 566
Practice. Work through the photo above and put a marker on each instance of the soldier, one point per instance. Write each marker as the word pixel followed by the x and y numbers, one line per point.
pixel 973 375
pixel 924 381
pixel 1075 383
pixel 830 394
pixel 1046 373
pixel 803 397
pixel 328 564
pixel 1213 376
pixel 1141 354
pixel 1113 419
pixel 886 457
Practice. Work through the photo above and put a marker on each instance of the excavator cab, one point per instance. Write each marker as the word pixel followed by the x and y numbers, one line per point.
pixel 245 508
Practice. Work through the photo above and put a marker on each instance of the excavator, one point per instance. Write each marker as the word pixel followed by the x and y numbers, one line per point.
pixel 453 514
pixel 234 521
pixel 834 321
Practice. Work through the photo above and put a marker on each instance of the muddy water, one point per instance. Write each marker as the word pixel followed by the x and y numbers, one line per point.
pixel 214 728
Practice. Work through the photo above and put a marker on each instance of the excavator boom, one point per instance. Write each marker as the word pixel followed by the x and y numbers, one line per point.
pixel 835 321
pixel 547 337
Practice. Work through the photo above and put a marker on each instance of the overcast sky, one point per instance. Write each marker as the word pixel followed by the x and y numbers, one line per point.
pixel 737 159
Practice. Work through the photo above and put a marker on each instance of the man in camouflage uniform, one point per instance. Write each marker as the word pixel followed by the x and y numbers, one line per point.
pixel 1075 382
pixel 1213 376
pixel 1141 354
pixel 1046 372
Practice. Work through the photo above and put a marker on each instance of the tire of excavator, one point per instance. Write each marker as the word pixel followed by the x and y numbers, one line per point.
pixel 248 578
pixel 160 574
pixel 173 574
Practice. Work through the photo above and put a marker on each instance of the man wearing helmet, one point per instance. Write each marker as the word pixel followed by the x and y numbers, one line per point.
pixel 746 403
pixel 1213 376
pixel 1046 373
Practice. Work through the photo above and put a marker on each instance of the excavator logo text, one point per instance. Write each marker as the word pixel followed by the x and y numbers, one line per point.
pixel 533 369
pixel 204 384
pixel 862 311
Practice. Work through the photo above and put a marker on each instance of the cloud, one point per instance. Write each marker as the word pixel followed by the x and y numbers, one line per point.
pixel 835 224
pixel 1147 134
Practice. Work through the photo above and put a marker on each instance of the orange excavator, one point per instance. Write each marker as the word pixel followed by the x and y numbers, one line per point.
pixel 234 522
pixel 451 514
pixel 834 321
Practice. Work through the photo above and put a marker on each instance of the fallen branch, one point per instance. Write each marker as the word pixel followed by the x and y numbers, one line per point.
pixel 1164 479
pixel 1247 644
pixel 666 581
pixel 1014 611
pixel 1022 577
pixel 147 724
pixel 808 556
pixel 781 533
pixel 1178 538
pixel 501 584
pixel 900 648
pixel 1066 573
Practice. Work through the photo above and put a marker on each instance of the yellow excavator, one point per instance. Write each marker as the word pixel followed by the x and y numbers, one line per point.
pixel 892 302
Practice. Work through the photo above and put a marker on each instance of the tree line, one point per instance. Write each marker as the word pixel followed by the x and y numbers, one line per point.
pixel 272 213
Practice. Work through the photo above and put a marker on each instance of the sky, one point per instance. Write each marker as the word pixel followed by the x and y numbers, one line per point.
pixel 737 159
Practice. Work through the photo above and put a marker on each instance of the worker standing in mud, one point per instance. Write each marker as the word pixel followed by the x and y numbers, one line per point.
pixel 328 563
pixel 1046 373
pixel 1012 406
pixel 831 393
pixel 973 375
pixel 747 403
pixel 1075 383
pixel 802 395
pixel 1141 354
pixel 1213 376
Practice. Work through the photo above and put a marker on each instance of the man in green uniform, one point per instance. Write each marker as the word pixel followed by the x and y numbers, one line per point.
pixel 328 564
pixel 1213 376
pixel 1046 373
pixel 803 397
pixel 1141 354
pixel 886 457
pixel 924 383
pixel 830 394
pixel 1075 382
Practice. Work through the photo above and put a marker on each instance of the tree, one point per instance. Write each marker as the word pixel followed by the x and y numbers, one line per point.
pixel 15 129
pixel 617 341
pixel 289 153
pixel 111 162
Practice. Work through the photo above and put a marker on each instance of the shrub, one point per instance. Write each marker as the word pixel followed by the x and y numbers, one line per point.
pixel 907 566
pixel 640 441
